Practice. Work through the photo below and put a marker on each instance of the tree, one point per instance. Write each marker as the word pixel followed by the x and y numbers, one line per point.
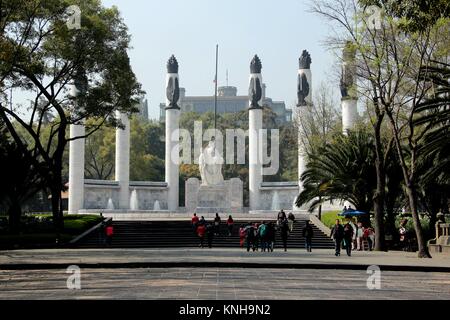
pixel 319 122
pixel 389 59
pixel 343 169
pixel 433 167
pixel 21 178
pixel 99 154
pixel 40 54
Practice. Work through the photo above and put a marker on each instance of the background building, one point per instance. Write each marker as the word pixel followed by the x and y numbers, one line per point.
pixel 227 102
pixel 143 108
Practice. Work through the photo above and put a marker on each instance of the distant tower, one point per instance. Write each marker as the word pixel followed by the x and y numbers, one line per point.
pixel 349 100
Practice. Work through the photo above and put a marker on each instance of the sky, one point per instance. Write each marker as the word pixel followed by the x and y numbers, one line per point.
pixel 277 31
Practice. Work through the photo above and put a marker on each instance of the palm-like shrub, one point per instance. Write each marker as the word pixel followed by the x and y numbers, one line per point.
pixel 341 170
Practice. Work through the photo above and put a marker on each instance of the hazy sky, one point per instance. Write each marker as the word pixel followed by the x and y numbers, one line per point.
pixel 277 31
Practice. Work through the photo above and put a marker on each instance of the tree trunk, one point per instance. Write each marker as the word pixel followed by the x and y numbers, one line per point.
pixel 57 212
pixel 421 243
pixel 379 196
pixel 14 213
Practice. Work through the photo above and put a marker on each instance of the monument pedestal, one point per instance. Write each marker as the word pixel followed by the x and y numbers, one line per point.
pixel 226 197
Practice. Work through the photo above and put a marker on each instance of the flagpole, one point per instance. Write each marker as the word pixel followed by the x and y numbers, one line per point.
pixel 215 89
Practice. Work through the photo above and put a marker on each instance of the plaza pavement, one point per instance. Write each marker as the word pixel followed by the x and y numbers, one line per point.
pixel 223 274
pixel 218 257
pixel 222 284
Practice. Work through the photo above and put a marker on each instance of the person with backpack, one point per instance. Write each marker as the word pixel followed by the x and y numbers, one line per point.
pixel 262 232
pixel 291 219
pixel 337 234
pixel 201 230
pixel 308 234
pixel 230 224
pixel 348 237
pixel 217 224
pixel 250 236
pixel 284 232
pixel 281 216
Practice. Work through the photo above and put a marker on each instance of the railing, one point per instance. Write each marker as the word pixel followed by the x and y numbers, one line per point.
pixel 319 224
pixel 87 232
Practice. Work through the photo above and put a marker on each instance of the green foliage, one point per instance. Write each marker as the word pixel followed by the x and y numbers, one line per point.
pixel 341 170
pixel 414 15
pixel 41 55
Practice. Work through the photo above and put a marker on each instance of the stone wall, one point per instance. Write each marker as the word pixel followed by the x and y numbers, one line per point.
pixel 98 192
pixel 278 195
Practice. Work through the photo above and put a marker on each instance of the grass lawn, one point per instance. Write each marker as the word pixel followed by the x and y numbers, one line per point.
pixel 38 232
pixel 329 218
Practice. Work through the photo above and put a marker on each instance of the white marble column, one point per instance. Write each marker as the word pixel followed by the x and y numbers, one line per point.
pixel 255 115
pixel 123 160
pixel 76 159
pixel 172 156
pixel 349 113
pixel 304 73
pixel 76 169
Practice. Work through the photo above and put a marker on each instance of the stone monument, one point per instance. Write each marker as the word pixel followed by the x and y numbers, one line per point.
pixel 210 165
pixel 213 193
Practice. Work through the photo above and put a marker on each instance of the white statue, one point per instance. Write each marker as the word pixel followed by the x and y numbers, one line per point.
pixel 210 164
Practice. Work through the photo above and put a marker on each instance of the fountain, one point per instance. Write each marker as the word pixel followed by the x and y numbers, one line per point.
pixel 275 201
pixel 156 206
pixel 134 205
pixel 110 205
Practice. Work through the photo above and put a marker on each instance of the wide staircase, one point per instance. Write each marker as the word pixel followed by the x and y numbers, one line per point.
pixel 176 234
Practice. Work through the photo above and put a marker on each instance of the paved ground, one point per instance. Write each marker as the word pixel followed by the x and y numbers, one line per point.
pixel 295 258
pixel 220 274
pixel 222 284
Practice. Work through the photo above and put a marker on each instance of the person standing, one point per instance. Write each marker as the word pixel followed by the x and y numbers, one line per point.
pixel 262 233
pixel 109 232
pixel 308 234
pixel 194 222
pixel 209 234
pixel 403 234
pixel 371 238
pixel 217 224
pixel 348 237
pixel 241 236
pixel 270 236
pixel 201 230
pixel 230 224
pixel 360 236
pixel 355 231
pixel 284 232
pixel 291 219
pixel 250 236
pixel 337 234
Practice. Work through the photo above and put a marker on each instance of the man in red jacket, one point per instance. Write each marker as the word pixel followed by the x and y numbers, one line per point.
pixel 201 230
pixel 194 222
